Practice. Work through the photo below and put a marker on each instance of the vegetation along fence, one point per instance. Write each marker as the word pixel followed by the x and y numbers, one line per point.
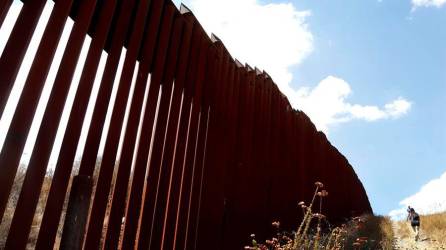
pixel 198 150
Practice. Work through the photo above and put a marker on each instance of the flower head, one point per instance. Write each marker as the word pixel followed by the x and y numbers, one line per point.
pixel 276 224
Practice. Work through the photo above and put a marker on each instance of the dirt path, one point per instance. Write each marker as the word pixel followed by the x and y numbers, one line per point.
pixel 409 243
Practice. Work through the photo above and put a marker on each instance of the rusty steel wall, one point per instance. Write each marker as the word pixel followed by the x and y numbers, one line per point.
pixel 220 153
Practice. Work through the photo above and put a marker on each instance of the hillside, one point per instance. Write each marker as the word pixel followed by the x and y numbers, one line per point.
pixel 432 233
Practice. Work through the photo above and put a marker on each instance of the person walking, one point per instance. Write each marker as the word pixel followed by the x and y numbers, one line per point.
pixel 414 219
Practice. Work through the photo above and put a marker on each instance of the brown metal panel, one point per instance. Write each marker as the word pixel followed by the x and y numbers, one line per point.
pixel 136 192
pixel 235 119
pixel 4 7
pixel 100 199
pixel 187 134
pixel 168 45
pixel 18 42
pixel 72 236
pixel 305 150
pixel 216 164
pixel 167 82
pixel 91 148
pixel 285 178
pixel 202 215
pixel 330 200
pixel 261 222
pixel 232 181
pixel 173 152
pixel 158 178
pixel 162 63
pixel 51 216
pixel 102 101
pixel 29 194
pixel 122 179
pixel 27 105
pixel 325 173
pixel 169 123
pixel 252 206
pixel 279 165
pixel 267 151
pixel 274 149
pixel 244 174
pixel 297 171
pixel 302 156
pixel 195 87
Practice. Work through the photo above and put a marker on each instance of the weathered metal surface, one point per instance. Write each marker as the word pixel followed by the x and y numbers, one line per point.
pixel 220 154
pixel 77 213
pixel 70 140
pixel 36 169
pixel 27 105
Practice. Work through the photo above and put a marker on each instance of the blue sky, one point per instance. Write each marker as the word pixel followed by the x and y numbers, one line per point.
pixel 383 49
pixel 369 73
pixel 363 56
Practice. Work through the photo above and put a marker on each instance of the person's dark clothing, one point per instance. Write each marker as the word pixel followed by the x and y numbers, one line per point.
pixel 414 220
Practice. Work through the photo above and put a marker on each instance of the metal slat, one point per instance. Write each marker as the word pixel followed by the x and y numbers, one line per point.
pixel 175 140
pixel 15 49
pixel 208 110
pixel 27 105
pixel 89 155
pixel 156 174
pixel 187 134
pixel 35 174
pixel 258 169
pixel 231 181
pixel 56 196
pixel 157 76
pixel 167 83
pixel 137 186
pixel 160 143
pixel 100 199
pixel 123 175
pixel 169 203
pixel 4 7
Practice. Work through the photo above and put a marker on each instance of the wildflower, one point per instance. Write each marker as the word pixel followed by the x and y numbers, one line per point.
pixel 276 224
pixel 319 216
pixel 362 239
pixel 319 184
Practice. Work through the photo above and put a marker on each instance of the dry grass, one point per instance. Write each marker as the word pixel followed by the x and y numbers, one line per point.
pixel 404 230
pixel 14 196
pixel 434 227
pixel 377 229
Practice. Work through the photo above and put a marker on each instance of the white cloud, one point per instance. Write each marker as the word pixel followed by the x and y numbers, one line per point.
pixel 276 37
pixel 327 104
pixel 273 37
pixel 427 3
pixel 429 199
